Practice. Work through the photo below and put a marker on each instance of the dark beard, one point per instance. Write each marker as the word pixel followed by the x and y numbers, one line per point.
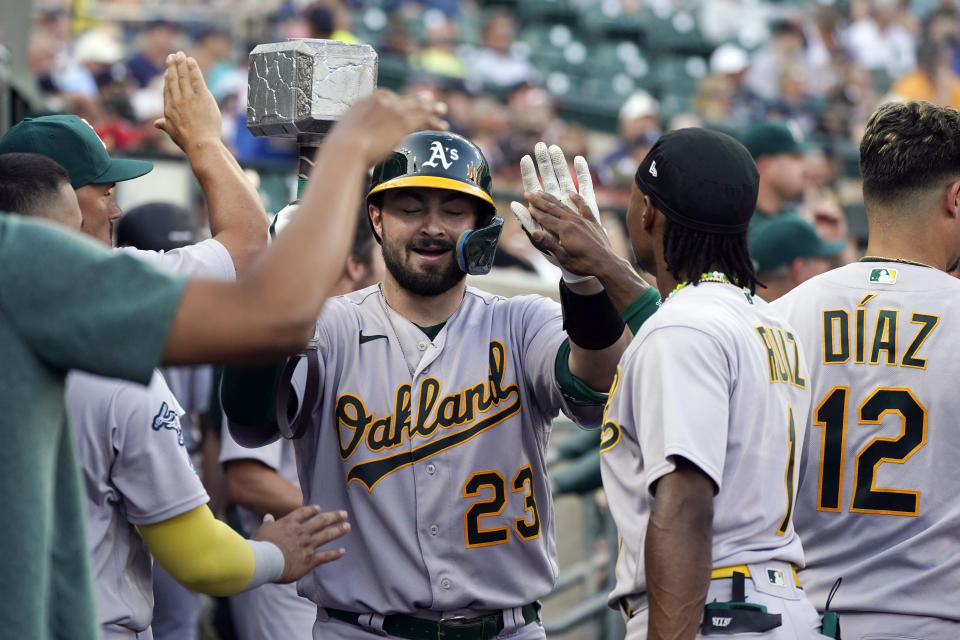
pixel 423 283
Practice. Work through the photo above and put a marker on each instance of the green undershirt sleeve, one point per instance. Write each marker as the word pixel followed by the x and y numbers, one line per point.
pixel 640 309
pixel 572 387
pixel 249 394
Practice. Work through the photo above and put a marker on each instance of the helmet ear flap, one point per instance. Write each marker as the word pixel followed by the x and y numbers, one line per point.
pixel 477 247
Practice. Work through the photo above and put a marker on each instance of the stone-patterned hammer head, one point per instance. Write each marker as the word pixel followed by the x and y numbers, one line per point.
pixel 298 88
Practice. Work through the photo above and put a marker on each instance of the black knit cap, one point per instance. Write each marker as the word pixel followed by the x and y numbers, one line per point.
pixel 701 179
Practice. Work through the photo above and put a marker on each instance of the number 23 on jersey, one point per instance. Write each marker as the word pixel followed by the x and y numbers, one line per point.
pixel 494 485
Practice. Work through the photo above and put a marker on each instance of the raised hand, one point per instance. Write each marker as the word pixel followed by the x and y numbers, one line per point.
pixel 190 112
pixel 299 533
pixel 560 193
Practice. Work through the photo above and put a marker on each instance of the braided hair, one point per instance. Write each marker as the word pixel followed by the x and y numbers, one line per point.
pixel 688 253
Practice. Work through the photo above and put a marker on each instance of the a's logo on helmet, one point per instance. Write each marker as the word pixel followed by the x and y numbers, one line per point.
pixel 437 152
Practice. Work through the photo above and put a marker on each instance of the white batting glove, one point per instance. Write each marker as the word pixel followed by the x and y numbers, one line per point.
pixel 558 183
pixel 283 218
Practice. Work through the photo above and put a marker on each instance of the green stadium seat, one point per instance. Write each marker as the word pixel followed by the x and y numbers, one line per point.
pixel 676 33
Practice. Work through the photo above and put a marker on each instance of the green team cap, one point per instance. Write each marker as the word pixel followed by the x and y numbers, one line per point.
pixel 773 137
pixel 781 240
pixel 71 141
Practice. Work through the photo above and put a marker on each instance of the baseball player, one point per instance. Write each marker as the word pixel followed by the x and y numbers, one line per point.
pixel 143 493
pixel 130 316
pixel 162 226
pixel 121 479
pixel 264 480
pixel 877 504
pixel 704 425
pixel 426 406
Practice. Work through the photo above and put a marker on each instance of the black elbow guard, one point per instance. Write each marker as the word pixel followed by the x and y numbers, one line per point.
pixel 591 321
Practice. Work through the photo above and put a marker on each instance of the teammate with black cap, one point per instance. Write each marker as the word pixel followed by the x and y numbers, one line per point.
pixel 705 418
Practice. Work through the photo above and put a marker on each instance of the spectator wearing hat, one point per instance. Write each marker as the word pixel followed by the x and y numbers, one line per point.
pixel 778 150
pixel 729 63
pixel 638 125
pixel 788 251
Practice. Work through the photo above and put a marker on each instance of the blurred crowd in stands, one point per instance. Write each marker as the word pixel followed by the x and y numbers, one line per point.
pixel 602 78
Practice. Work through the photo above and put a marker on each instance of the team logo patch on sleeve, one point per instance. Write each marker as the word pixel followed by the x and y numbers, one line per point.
pixel 882 275
pixel 166 418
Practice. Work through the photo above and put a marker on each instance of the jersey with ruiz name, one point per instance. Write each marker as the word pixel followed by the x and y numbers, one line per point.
pixel 716 378
pixel 878 491
pixel 436 449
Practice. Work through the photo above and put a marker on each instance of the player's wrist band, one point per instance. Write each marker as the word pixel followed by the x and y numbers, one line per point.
pixel 591 321
pixel 268 563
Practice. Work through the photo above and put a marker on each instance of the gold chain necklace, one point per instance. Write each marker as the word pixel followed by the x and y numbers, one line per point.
pixel 900 260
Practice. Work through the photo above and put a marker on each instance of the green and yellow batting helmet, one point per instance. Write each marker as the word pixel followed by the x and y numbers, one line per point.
pixel 444 160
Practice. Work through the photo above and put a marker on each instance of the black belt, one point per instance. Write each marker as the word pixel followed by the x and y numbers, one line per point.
pixel 454 628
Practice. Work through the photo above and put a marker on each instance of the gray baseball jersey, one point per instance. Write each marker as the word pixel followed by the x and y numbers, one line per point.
pixel 716 378
pixel 136 471
pixel 878 491
pixel 191 385
pixel 436 448
pixel 255 611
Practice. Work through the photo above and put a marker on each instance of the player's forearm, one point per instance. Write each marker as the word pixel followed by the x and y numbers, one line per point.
pixel 204 554
pixel 620 280
pixel 271 311
pixel 254 485
pixel 237 217
pixel 677 553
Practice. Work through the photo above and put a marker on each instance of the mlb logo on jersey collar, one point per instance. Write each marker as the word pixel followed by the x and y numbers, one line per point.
pixel 775 576
pixel 882 275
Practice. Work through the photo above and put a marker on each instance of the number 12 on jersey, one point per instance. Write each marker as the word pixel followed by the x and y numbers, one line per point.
pixel 831 416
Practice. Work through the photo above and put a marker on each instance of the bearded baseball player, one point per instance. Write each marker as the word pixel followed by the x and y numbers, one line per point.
pixel 878 495
pixel 426 405
pixel 704 424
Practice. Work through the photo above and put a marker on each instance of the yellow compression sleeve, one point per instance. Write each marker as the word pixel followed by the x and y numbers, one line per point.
pixel 201 553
